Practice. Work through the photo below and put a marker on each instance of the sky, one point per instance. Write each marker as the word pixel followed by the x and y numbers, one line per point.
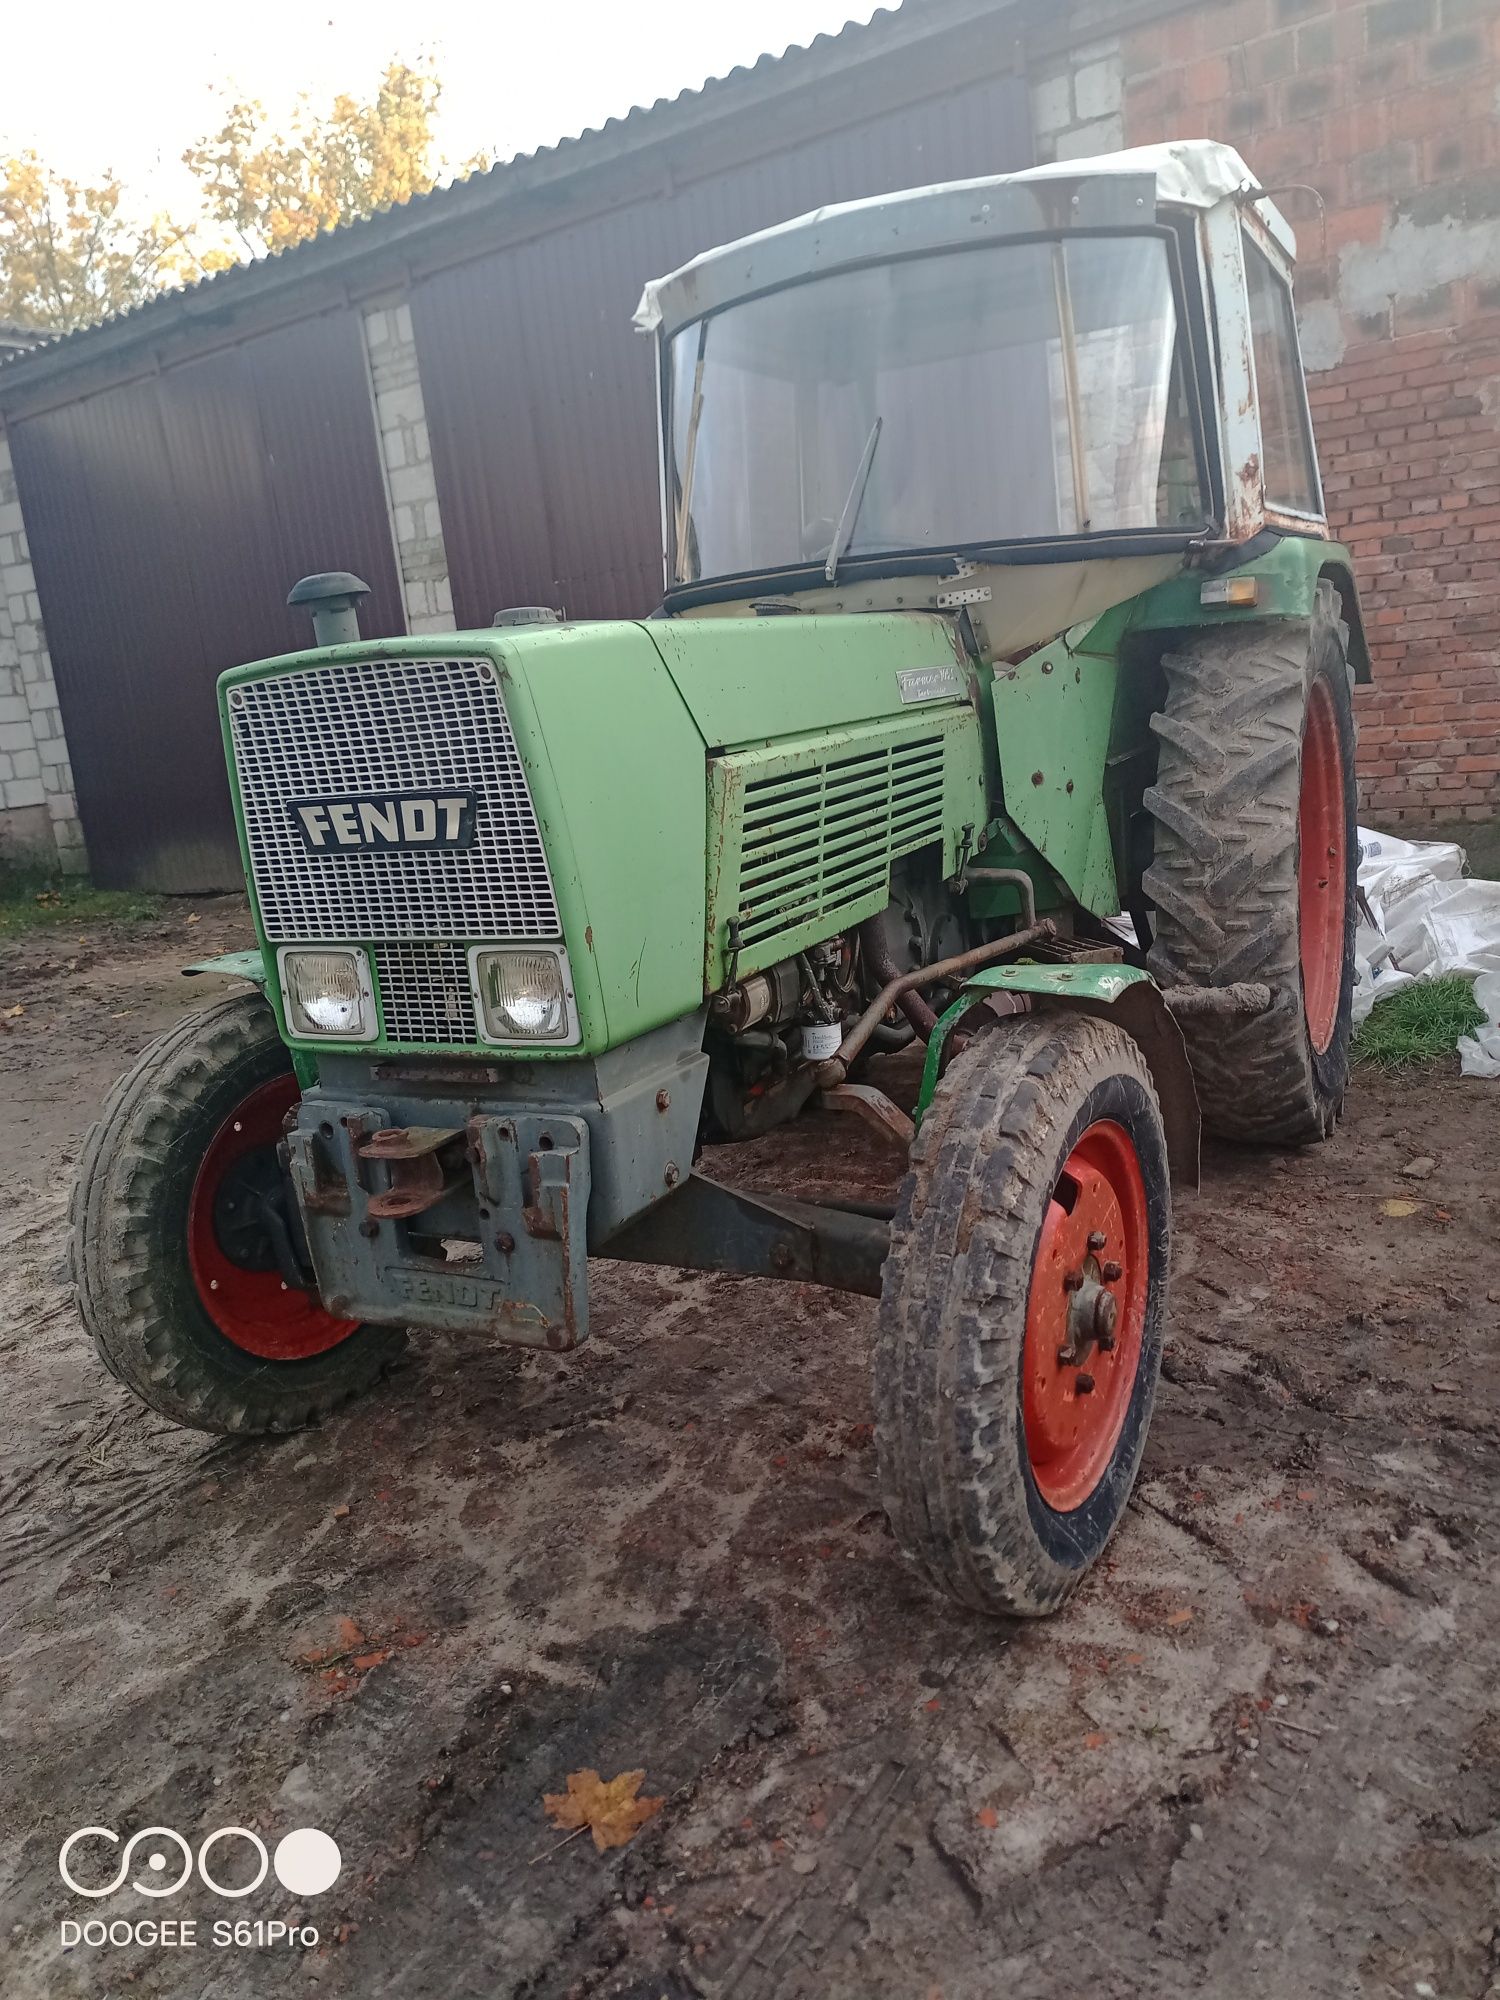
pixel 125 87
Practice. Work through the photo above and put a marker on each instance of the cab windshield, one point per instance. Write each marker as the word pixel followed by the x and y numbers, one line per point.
pixel 1022 391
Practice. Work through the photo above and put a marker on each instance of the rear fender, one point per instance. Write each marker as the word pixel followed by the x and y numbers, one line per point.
pixel 1119 993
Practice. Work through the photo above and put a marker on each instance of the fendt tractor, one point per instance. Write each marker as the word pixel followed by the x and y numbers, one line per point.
pixel 999 701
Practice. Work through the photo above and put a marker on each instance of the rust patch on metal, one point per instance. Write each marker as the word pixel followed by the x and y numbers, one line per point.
pixel 426 1162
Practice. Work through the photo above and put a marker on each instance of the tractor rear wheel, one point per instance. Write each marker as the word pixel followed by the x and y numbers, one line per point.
pixel 1021 1312
pixel 1253 876
pixel 179 1282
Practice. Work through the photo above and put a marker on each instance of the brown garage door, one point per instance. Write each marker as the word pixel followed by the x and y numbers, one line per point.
pixel 539 393
pixel 168 518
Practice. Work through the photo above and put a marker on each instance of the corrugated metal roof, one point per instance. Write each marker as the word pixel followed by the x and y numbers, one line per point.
pixel 463 201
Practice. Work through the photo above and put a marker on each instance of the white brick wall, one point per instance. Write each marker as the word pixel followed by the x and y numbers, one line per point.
pixel 1076 109
pixel 38 808
pixel 406 452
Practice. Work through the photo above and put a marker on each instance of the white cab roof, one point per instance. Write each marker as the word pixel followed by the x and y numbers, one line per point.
pixel 1110 190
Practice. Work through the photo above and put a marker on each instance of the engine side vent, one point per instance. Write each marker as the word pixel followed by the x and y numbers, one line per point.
pixel 817 840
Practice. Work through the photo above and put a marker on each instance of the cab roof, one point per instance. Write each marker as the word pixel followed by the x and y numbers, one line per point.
pixel 1110 191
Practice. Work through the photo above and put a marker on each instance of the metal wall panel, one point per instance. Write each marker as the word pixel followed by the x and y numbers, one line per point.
pixel 540 396
pixel 168 518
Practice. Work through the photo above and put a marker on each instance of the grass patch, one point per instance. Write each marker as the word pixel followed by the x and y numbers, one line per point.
pixel 32 900
pixel 1418 1025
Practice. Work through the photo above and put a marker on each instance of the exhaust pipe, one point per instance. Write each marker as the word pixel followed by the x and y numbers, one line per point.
pixel 333 599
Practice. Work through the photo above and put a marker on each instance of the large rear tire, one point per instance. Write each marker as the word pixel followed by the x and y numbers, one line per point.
pixel 1253 876
pixel 1021 1312
pixel 180 1292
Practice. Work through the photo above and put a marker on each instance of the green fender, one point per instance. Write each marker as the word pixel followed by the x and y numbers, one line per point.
pixel 1118 993
pixel 249 965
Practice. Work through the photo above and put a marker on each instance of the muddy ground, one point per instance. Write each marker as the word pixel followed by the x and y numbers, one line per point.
pixel 1258 1755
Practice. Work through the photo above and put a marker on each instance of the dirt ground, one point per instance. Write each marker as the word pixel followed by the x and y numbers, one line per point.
pixel 1258 1755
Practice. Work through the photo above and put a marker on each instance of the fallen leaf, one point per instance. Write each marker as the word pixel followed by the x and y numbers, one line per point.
pixel 612 1812
pixel 368 1660
pixel 1095 1740
pixel 1182 1616
pixel 195 918
pixel 1395 1206
pixel 13 1013
pixel 341 1513
pixel 987 1816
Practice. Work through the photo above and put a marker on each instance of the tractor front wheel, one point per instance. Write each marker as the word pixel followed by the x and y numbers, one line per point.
pixel 177 1211
pixel 1253 876
pixel 1021 1312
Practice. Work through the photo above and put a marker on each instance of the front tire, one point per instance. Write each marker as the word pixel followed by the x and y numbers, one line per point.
pixel 1035 1219
pixel 184 1303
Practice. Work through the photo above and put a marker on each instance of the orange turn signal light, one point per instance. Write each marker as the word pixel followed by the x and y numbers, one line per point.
pixel 1235 590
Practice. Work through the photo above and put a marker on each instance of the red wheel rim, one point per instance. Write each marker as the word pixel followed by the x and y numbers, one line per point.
pixel 254 1309
pixel 1095 1245
pixel 1322 868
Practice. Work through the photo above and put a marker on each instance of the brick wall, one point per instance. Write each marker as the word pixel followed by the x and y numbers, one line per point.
pixel 38 812
pixel 1390 109
pixel 406 455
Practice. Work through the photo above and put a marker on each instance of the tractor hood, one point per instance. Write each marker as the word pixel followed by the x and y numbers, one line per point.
pixel 582 786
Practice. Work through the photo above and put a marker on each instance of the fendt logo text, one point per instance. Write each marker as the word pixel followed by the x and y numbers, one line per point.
pixel 158 1861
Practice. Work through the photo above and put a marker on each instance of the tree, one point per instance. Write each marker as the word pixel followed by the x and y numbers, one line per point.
pixel 273 190
pixel 70 255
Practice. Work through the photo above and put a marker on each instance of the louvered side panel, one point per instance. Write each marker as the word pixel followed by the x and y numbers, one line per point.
pixel 806 839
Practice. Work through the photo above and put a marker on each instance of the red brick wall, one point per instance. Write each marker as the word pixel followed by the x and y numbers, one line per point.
pixel 1389 108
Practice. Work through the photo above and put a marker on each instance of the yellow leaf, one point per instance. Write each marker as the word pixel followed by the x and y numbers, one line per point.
pixel 1398 1207
pixel 612 1812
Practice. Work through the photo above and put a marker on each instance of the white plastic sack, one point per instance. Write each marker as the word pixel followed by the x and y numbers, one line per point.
pixel 1479 1053
pixel 1430 919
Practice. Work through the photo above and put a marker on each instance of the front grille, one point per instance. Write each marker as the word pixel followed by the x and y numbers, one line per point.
pixel 381 727
pixel 817 840
pixel 425 993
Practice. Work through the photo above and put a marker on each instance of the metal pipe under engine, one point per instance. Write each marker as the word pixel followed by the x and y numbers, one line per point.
pixel 877 954
pixel 836 1069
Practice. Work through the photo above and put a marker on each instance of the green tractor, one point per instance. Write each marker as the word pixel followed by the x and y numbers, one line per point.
pixel 998 702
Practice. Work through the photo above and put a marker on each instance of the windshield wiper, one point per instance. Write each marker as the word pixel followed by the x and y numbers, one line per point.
pixel 690 465
pixel 844 533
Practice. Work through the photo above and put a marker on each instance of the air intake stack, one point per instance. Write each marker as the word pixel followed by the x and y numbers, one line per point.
pixel 333 599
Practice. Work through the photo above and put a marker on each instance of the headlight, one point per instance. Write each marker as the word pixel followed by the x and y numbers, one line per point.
pixel 328 992
pixel 524 996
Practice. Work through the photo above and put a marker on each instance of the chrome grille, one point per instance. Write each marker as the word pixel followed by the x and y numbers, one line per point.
pixel 425 993
pixel 377 727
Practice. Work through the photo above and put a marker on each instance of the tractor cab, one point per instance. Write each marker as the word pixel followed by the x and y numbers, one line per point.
pixel 1035 395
